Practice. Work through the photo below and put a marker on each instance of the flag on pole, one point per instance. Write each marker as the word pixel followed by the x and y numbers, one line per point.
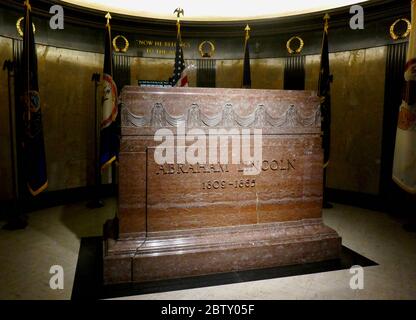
pixel 33 146
pixel 404 164
pixel 180 76
pixel 324 92
pixel 109 140
pixel 246 63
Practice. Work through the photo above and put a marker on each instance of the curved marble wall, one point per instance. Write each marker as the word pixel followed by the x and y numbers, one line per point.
pixel 67 97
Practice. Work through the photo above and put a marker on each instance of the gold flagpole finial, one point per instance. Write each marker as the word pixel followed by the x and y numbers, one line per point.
pixel 247 30
pixel 179 12
pixel 326 19
pixel 27 4
pixel 108 17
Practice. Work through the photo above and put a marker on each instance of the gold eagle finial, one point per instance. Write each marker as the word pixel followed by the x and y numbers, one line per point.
pixel 179 12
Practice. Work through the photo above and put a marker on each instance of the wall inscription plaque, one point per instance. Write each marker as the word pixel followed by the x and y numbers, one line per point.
pixel 200 212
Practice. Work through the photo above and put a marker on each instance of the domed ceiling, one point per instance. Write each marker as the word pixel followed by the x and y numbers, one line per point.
pixel 213 10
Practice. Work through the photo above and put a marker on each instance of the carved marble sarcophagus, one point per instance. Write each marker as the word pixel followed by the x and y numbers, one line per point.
pixel 195 195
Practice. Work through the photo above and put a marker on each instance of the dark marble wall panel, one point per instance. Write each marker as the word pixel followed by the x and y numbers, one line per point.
pixel 229 73
pixel 267 73
pixel 67 95
pixel 150 69
pixel 357 116
pixel 5 162
pixel 294 73
pixel 395 66
pixel 312 64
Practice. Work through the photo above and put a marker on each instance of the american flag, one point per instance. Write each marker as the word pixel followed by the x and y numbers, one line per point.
pixel 180 77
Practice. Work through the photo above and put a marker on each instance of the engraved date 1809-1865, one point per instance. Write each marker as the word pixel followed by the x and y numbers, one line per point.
pixel 223 184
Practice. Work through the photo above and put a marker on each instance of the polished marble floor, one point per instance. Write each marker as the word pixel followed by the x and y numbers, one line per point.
pixel 53 238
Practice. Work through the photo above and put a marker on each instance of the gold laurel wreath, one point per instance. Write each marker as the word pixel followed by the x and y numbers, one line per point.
pixel 126 44
pixel 19 28
pixel 393 34
pixel 298 50
pixel 208 54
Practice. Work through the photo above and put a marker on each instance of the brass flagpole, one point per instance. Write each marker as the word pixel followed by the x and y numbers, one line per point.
pixel 325 203
pixel 246 72
pixel 247 30
pixel 16 219
pixel 9 65
pixel 96 202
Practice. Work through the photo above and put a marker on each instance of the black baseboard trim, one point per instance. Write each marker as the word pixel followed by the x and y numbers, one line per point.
pixel 356 199
pixel 396 202
pixel 56 198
